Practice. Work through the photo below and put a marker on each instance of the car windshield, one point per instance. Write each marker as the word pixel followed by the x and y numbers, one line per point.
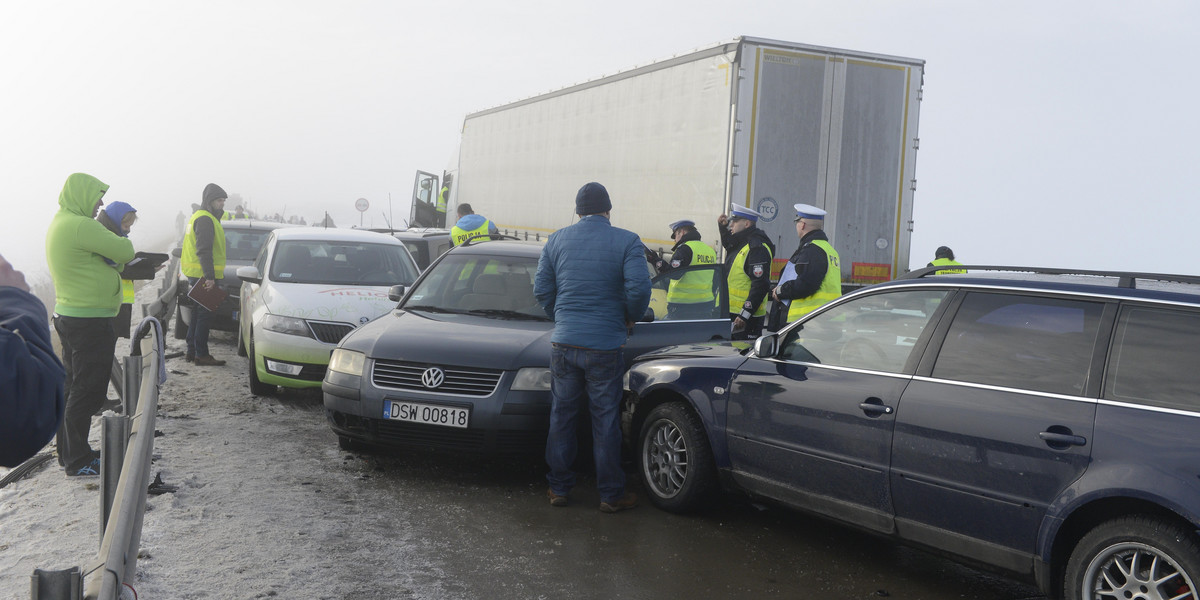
pixel 491 286
pixel 342 262
pixel 244 244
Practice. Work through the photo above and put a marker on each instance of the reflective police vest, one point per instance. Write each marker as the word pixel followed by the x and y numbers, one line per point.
pixel 189 261
pixel 739 283
pixel 938 262
pixel 831 286
pixel 441 200
pixel 460 235
pixel 696 286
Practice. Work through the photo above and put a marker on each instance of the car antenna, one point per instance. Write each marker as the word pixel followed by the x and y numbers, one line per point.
pixel 386 220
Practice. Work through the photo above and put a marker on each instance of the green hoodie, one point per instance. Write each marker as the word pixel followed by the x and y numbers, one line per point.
pixel 76 246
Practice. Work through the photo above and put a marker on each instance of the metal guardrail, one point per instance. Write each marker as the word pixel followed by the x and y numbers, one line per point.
pixel 126 446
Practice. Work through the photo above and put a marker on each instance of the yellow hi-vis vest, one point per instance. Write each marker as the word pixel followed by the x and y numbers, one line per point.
pixel 460 235
pixel 831 286
pixel 697 286
pixel 189 261
pixel 441 200
pixel 739 283
pixel 127 294
pixel 938 262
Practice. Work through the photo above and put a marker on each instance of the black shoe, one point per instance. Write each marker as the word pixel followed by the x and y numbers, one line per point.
pixel 189 357
pixel 208 361
pixel 92 469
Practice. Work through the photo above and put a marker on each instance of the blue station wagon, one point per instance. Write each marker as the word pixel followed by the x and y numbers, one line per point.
pixel 1043 423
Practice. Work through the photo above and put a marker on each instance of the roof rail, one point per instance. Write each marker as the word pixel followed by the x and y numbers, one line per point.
pixel 1125 279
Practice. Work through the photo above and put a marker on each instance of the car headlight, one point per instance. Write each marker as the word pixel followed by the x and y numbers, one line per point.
pixel 535 379
pixel 347 361
pixel 288 325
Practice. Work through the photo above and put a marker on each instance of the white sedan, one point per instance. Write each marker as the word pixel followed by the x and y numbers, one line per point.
pixel 308 288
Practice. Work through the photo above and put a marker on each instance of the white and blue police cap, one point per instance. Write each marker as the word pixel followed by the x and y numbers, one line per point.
pixel 743 212
pixel 682 223
pixel 808 211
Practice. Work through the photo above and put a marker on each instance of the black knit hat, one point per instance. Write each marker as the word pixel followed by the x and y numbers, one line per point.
pixel 592 199
pixel 212 192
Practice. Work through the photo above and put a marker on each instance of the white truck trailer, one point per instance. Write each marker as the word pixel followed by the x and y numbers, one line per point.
pixel 755 122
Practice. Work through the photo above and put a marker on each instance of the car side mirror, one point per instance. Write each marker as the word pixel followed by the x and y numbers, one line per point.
pixel 396 292
pixel 764 346
pixel 177 252
pixel 648 317
pixel 249 275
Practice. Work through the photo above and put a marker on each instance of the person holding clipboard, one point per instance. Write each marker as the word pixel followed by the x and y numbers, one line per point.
pixel 203 263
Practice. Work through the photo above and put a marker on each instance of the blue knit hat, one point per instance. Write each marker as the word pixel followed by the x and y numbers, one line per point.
pixel 592 199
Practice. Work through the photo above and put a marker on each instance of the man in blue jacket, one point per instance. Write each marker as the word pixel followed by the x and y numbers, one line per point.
pixel 31 376
pixel 593 281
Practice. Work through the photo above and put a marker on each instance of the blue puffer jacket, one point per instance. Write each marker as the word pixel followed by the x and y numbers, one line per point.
pixel 591 279
pixel 31 378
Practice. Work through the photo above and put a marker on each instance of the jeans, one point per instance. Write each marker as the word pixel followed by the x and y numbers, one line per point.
pixel 197 335
pixel 586 379
pixel 88 347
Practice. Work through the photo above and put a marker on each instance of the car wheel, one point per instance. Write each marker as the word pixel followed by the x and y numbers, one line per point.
pixel 676 463
pixel 1134 557
pixel 180 327
pixel 257 387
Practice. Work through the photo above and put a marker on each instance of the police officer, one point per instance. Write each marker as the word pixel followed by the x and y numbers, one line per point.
pixel 748 254
pixel 945 256
pixel 813 275
pixel 470 225
pixel 689 295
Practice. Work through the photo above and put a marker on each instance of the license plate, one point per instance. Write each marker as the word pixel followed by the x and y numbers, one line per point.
pixel 426 413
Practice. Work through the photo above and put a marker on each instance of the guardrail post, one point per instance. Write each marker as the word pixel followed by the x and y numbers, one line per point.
pixel 133 384
pixel 114 438
pixel 66 584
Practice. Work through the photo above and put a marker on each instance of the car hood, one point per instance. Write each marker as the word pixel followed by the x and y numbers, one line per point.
pixel 454 339
pixel 708 350
pixel 353 304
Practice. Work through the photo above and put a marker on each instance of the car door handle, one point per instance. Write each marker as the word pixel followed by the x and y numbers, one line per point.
pixel 875 408
pixel 1063 438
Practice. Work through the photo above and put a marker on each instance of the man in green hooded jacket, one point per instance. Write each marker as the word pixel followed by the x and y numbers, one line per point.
pixel 87 295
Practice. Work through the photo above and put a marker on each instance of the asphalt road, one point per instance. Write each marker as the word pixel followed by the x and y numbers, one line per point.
pixel 263 483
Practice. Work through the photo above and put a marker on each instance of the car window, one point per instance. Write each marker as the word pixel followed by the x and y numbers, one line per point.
pixel 1026 342
pixel 481 284
pixel 417 249
pixel 244 244
pixel 688 294
pixel 1154 358
pixel 342 263
pixel 260 262
pixel 876 332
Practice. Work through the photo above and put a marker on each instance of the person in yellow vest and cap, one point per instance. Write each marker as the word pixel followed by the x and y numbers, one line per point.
pixel 470 225
pixel 748 255
pixel 203 261
pixel 944 256
pixel 689 295
pixel 118 217
pixel 813 275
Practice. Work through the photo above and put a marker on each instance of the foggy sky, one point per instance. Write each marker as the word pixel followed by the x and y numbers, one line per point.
pixel 1051 133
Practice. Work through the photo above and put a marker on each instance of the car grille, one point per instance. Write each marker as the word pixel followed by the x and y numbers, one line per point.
pixel 458 381
pixel 330 333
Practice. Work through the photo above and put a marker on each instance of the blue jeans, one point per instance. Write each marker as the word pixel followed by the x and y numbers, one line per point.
pixel 591 380
pixel 197 335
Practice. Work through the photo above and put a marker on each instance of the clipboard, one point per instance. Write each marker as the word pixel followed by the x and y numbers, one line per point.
pixel 209 299
pixel 143 266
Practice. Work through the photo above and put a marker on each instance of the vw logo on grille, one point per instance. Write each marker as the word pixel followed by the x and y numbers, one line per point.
pixel 433 377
